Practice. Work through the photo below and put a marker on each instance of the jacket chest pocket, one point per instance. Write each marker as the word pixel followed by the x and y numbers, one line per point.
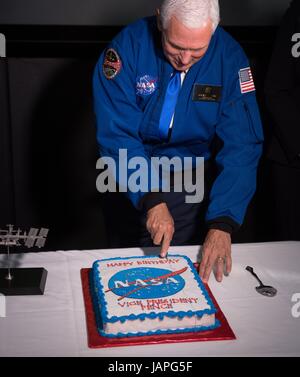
pixel 206 113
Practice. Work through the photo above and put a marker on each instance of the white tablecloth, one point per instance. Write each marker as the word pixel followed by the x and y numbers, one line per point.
pixel 54 324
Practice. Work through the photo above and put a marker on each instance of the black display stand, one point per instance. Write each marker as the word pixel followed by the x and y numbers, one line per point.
pixel 25 281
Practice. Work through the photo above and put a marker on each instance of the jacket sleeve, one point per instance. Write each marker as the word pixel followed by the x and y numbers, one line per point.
pixel 281 87
pixel 240 130
pixel 118 118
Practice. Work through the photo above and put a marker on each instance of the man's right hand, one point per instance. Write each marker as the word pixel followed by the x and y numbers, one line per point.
pixel 160 225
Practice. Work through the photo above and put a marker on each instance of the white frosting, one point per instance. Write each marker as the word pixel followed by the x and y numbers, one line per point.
pixel 155 324
pixel 188 297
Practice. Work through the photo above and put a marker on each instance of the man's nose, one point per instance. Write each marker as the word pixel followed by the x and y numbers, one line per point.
pixel 185 57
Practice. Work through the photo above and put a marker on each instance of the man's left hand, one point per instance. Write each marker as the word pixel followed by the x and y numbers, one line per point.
pixel 216 252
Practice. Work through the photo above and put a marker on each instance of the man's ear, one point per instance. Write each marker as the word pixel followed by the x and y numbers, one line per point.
pixel 158 20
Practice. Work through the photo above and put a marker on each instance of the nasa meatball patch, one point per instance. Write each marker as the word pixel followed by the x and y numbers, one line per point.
pixel 146 85
pixel 112 64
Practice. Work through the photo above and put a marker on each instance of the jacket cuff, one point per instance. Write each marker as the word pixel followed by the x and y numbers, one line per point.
pixel 226 224
pixel 150 200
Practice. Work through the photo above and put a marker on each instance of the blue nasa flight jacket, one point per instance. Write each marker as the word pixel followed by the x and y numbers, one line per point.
pixel 128 109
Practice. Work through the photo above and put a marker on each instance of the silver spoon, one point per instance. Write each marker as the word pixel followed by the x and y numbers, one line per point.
pixel 265 290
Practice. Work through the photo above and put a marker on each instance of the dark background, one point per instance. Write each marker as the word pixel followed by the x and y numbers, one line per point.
pixel 48 150
pixel 120 12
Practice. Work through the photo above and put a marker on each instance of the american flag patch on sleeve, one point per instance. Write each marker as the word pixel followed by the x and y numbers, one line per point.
pixel 246 80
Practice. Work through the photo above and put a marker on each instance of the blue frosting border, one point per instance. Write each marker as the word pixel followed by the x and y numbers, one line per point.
pixel 101 312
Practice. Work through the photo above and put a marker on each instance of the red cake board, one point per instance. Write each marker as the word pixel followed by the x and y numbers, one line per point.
pixel 95 340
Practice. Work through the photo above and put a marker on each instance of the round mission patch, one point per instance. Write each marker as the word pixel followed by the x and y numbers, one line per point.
pixel 112 64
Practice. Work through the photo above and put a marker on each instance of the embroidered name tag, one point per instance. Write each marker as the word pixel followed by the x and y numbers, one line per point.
pixel 207 93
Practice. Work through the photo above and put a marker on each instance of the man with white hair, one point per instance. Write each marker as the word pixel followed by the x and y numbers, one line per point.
pixel 166 86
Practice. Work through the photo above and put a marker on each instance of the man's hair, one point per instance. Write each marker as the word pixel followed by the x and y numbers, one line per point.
pixel 192 13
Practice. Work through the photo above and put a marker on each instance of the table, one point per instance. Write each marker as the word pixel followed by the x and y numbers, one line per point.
pixel 54 324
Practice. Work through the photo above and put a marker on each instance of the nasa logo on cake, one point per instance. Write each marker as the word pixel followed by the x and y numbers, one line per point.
pixel 146 283
pixel 146 85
